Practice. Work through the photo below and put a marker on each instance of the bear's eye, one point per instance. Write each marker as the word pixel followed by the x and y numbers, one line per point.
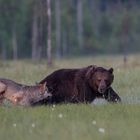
pixel 107 81
pixel 99 80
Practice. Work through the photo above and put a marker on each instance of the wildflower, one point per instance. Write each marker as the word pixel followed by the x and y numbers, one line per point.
pixel 33 125
pixel 60 115
pixel 94 122
pixel 14 125
pixel 102 130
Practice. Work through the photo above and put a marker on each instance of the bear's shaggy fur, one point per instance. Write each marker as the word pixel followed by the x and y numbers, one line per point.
pixel 81 85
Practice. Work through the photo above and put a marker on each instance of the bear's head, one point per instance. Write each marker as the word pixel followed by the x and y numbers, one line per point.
pixel 99 78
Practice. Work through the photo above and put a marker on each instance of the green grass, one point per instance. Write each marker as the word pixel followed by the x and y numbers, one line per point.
pixel 74 122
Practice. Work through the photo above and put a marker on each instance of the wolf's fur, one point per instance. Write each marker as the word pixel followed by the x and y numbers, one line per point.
pixel 20 94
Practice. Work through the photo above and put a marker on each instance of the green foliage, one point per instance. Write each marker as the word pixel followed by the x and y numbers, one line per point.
pixel 71 121
pixel 118 121
pixel 103 26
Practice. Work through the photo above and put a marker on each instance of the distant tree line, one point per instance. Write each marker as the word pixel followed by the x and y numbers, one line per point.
pixel 78 27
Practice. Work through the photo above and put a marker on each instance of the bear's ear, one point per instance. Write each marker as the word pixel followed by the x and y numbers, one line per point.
pixel 90 71
pixel 111 70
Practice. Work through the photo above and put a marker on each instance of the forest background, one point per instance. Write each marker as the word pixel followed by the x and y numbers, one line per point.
pixel 78 27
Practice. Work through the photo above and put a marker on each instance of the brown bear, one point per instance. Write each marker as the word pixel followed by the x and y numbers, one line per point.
pixel 81 85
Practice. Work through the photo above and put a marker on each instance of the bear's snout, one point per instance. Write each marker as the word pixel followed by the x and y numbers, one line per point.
pixel 101 90
pixel 102 87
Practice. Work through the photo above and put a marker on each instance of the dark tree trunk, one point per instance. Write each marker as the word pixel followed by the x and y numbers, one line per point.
pixel 80 23
pixel 125 35
pixel 95 14
pixel 14 44
pixel 4 57
pixel 34 34
pixel 40 34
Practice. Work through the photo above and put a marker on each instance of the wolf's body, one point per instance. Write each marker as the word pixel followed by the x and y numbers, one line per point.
pixel 20 94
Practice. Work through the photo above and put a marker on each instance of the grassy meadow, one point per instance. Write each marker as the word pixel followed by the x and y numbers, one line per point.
pixel 74 122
